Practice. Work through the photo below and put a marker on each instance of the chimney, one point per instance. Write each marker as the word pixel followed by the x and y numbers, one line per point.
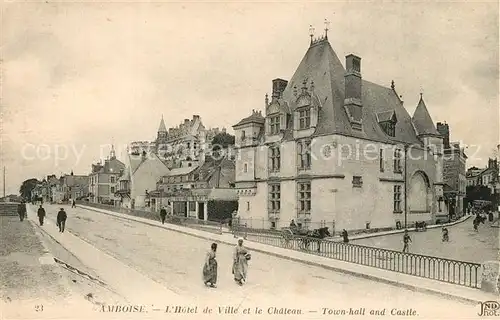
pixel 279 86
pixel 352 102
pixel 196 117
pixel 444 130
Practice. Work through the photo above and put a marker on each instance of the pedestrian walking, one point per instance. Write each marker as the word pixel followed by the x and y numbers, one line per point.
pixel 210 267
pixel 21 210
pixel 61 219
pixel 163 215
pixel 41 215
pixel 446 237
pixel 241 257
pixel 73 203
pixel 345 235
pixel 406 241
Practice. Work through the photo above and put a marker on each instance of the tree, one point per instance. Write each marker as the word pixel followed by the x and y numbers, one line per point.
pixel 27 186
pixel 222 140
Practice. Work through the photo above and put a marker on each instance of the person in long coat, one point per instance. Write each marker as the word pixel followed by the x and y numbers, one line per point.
pixel 21 210
pixel 41 215
pixel 61 219
pixel 163 215
pixel 210 267
pixel 240 262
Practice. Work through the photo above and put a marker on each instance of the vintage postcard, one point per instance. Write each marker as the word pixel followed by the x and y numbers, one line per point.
pixel 249 160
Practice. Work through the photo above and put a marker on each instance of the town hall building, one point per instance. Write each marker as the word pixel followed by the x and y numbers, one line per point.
pixel 332 149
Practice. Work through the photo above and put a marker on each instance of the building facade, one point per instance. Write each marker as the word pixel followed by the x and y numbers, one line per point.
pixel 454 172
pixel 333 149
pixel 487 177
pixel 103 180
pixel 203 192
pixel 138 179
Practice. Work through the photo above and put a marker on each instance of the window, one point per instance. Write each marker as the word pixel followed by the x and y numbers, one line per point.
pixel 304 197
pixel 189 145
pixel 273 225
pixel 274 124
pixel 274 159
pixel 389 128
pixel 245 168
pixel 112 179
pixel 304 154
pixel 112 189
pixel 357 181
pixel 397 161
pixel 397 199
pixel 248 205
pixel 243 135
pixel 274 198
pixel 192 206
pixel 381 160
pixel 304 119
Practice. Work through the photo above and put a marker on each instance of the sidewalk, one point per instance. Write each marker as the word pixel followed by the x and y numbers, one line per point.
pixel 464 294
pixel 30 278
pixel 135 289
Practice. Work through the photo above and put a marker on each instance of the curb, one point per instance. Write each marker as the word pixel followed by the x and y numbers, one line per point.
pixel 311 263
pixel 434 226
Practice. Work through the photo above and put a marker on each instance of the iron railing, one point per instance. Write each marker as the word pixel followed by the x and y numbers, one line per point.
pixel 209 226
pixel 441 269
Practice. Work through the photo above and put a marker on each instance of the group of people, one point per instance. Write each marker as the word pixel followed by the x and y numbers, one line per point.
pixel 241 256
pixel 61 217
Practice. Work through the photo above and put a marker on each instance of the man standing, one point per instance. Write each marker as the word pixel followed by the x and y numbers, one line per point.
pixel 406 241
pixel 163 214
pixel 61 219
pixel 41 215
pixel 21 210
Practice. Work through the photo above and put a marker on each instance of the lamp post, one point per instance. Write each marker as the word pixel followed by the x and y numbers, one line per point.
pixel 406 184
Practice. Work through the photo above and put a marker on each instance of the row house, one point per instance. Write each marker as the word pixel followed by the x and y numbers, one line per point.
pixel 454 172
pixel 203 192
pixel 139 178
pixel 333 148
pixel 103 180
pixel 487 177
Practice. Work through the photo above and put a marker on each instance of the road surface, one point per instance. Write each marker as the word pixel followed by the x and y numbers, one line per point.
pixel 175 261
pixel 465 244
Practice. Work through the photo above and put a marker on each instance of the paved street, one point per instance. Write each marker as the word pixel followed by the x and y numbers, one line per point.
pixel 175 260
pixel 465 243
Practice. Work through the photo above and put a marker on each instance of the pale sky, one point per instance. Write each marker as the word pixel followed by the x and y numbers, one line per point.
pixel 76 76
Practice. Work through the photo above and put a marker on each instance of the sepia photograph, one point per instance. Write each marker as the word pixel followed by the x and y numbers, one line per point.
pixel 249 160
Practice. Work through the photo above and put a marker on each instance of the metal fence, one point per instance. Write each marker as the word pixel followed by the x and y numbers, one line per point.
pixel 209 226
pixel 452 271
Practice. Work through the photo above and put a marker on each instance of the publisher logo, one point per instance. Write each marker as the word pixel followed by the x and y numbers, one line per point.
pixel 490 309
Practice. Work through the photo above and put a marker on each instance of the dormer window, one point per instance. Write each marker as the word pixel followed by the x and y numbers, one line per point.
pixel 389 128
pixel 387 121
pixel 274 124
pixel 304 118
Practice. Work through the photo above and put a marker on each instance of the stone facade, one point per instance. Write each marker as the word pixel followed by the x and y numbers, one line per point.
pixel 332 149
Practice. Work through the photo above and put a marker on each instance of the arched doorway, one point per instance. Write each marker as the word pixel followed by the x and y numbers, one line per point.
pixel 419 193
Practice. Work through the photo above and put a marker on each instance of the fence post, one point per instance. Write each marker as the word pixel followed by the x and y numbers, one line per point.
pixel 220 225
pixel 246 232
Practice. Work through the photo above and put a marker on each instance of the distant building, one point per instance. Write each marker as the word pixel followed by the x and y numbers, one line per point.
pixel 103 180
pixel 454 172
pixel 75 187
pixel 137 147
pixel 203 192
pixel 138 179
pixel 332 149
pixel 487 177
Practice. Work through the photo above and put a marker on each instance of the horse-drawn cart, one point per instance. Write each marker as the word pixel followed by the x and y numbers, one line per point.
pixel 303 237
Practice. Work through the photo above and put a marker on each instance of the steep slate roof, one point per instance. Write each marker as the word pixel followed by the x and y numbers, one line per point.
pixel 321 65
pixel 181 171
pixel 422 120
pixel 256 117
pixel 162 127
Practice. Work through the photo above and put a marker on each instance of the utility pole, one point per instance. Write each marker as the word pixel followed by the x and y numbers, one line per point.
pixel 4 181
